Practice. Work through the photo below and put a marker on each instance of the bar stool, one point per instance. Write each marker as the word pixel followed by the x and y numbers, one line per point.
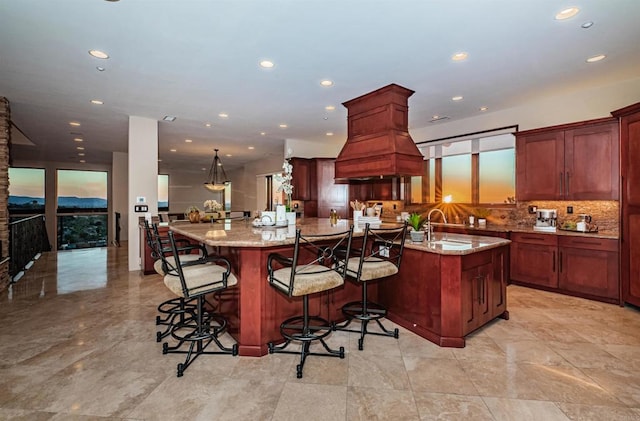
pixel 194 282
pixel 170 309
pixel 379 258
pixel 323 269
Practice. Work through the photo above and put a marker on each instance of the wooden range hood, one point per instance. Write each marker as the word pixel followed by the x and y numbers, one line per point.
pixel 378 141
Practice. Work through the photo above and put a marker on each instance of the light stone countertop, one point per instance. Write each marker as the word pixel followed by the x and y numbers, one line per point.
pixel 243 234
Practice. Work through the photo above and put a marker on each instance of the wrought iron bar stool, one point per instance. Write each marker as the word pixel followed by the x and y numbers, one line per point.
pixel 379 258
pixel 316 266
pixel 173 308
pixel 194 282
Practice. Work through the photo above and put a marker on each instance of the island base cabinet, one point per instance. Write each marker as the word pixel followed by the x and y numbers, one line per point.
pixel 444 297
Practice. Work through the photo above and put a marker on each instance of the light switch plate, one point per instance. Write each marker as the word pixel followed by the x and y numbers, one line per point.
pixel 141 208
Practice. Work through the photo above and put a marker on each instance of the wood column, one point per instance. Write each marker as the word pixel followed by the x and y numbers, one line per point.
pixel 5 142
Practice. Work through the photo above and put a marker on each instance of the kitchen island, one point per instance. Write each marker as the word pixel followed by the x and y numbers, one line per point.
pixel 437 280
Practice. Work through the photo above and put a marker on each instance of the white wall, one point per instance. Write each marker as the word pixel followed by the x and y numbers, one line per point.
pixel 143 178
pixel 568 107
pixel 119 194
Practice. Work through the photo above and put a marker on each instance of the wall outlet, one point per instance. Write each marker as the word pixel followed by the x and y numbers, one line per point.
pixel 569 209
pixel 533 209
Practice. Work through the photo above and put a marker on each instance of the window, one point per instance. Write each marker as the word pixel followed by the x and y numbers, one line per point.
pixel 479 170
pixel 82 191
pixel 163 193
pixel 26 190
pixel 82 209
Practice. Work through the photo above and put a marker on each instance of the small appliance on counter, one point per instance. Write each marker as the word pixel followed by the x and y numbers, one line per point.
pixel 546 220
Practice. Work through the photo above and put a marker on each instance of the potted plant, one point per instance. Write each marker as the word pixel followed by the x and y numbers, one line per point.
pixel 482 214
pixel 416 221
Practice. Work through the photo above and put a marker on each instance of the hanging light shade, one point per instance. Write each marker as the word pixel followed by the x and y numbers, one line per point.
pixel 217 177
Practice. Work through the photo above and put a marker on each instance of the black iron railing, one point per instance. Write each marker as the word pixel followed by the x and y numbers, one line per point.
pixel 27 238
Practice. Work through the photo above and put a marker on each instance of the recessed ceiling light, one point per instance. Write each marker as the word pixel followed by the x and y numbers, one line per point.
pixel 78 139
pixel 435 117
pixel 484 108
pixel 326 82
pixel 283 126
pixel 596 58
pixel 329 108
pixel 459 56
pixel 80 153
pixel 169 118
pixel 80 148
pixel 267 64
pixel 74 123
pixel 207 124
pixel 100 68
pixel 228 155
pixel 223 115
pixel 82 161
pixel 263 133
pixel 329 133
pixel 251 147
pixel 457 98
pixel 173 150
pixel 97 102
pixel 567 13
pixel 99 54
pixel 587 25
pixel 188 140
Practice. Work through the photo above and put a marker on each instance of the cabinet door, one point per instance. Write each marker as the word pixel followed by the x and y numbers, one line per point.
pixel 540 166
pixel 534 263
pixel 591 162
pixel 300 179
pixel 476 278
pixel 497 284
pixel 330 194
pixel 590 272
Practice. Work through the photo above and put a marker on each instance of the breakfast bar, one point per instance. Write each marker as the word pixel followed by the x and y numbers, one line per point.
pixel 441 292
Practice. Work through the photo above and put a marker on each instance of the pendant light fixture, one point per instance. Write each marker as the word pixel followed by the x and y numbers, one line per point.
pixel 217 177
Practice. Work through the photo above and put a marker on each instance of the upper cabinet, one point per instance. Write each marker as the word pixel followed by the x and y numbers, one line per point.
pixel 570 162
pixel 303 179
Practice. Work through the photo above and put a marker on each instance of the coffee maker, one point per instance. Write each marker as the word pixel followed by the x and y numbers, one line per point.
pixel 546 220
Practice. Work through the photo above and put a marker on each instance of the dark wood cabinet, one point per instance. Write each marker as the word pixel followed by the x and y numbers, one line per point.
pixel 575 265
pixel 534 258
pixel 588 266
pixel 301 178
pixel 630 202
pixel 476 277
pixel 576 161
pixel 384 189
pixel 330 195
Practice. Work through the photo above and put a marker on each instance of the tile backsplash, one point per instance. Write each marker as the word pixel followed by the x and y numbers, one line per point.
pixel 605 213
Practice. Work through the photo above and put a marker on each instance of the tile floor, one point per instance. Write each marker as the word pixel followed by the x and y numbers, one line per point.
pixel 77 342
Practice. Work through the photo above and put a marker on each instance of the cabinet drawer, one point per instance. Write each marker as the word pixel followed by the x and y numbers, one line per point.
pixel 531 238
pixel 589 243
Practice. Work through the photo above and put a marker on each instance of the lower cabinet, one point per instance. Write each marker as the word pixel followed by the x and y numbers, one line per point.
pixel 577 265
pixel 534 258
pixel 483 284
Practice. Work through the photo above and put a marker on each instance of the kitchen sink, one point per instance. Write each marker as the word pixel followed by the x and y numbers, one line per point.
pixel 451 244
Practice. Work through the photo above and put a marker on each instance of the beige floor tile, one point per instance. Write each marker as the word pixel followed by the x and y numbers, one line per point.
pixel 577 412
pixel 438 375
pixel 623 384
pixel 311 402
pixel 370 404
pixel 503 380
pixel 381 371
pixel 524 410
pixel 451 407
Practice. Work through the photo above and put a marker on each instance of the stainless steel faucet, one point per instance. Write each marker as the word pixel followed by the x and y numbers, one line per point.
pixel 429 227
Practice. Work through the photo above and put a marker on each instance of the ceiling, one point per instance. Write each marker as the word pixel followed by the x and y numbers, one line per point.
pixel 195 59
